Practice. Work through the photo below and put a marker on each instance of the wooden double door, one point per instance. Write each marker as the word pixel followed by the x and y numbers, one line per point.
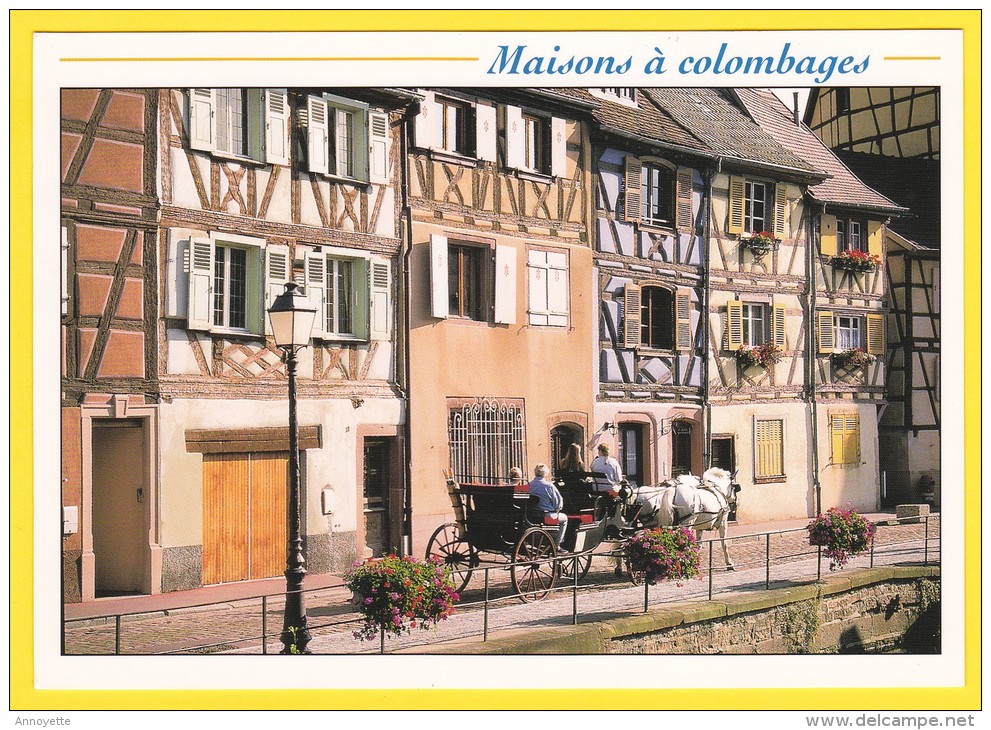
pixel 244 516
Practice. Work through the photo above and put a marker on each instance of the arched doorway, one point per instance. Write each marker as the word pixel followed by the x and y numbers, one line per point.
pixel 562 437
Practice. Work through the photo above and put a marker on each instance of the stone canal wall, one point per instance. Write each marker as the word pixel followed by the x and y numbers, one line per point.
pixel 872 610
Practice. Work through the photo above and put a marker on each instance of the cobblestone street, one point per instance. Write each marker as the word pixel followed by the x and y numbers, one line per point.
pixel 237 626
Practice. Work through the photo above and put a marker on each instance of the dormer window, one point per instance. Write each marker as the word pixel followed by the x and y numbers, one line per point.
pixel 621 95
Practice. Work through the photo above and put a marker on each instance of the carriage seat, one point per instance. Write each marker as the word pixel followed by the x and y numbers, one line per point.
pixel 580 519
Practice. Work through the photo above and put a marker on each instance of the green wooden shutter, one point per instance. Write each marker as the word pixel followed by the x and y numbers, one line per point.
pixel 632 197
pixel 200 306
pixel 827 336
pixel 683 212
pixel 875 334
pixel 734 324
pixel 683 319
pixel 737 194
pixel 631 316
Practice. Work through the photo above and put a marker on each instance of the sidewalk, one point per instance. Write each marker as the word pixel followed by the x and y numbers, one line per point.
pixel 276 586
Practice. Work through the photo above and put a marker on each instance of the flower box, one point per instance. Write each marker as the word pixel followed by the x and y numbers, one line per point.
pixel 396 594
pixel 861 261
pixel 855 357
pixel 760 243
pixel 758 355
pixel 842 533
pixel 664 553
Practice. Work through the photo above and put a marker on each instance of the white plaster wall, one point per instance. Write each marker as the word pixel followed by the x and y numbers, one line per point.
pixel 333 466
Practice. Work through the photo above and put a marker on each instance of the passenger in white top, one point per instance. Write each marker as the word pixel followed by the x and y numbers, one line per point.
pixel 607 465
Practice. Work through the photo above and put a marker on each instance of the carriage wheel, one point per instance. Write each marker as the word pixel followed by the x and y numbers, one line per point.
pixel 449 546
pixel 534 570
pixel 636 576
pixel 567 564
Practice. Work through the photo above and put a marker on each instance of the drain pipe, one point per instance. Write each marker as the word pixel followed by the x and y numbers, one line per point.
pixel 403 330
pixel 812 351
pixel 706 241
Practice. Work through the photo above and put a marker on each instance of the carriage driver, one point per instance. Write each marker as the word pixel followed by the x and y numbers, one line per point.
pixel 549 501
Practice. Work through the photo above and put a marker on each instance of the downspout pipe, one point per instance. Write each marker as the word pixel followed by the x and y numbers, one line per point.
pixel 706 295
pixel 403 328
pixel 812 352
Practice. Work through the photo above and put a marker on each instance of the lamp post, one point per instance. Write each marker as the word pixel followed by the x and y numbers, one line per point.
pixel 292 317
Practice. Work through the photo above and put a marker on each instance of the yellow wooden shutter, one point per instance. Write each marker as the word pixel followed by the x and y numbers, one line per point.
pixel 836 438
pixel 737 193
pixel 631 316
pixel 875 334
pixel 844 430
pixel 827 337
pixel 683 317
pixel 770 448
pixel 827 235
pixel 734 325
pixel 684 195
pixel 874 238
pixel 632 200
pixel 779 326
pixel 780 210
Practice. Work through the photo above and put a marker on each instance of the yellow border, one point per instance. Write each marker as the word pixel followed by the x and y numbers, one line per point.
pixel 23 695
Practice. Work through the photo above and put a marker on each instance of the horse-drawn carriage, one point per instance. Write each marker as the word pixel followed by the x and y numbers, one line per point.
pixel 498 524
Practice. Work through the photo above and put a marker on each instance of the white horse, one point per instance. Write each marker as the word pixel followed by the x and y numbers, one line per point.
pixel 687 501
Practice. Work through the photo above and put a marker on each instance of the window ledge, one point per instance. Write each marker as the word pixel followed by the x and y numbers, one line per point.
pixel 250 161
pixel 357 182
pixel 227 332
pixel 453 157
pixel 660 227
pixel 770 480
pixel 534 176
pixel 658 351
pixel 343 339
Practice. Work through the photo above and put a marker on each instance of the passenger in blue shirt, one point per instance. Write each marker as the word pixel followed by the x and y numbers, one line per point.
pixel 549 501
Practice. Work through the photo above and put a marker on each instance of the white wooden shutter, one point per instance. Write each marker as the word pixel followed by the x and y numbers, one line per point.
pixel 559 147
pixel 631 316
pixel 381 301
pixel 514 137
pixel 202 131
pixel 315 283
pixel 278 269
pixel 737 196
pixel 317 134
pixel 557 288
pixel 200 308
pixel 632 196
pixel 429 123
pixel 276 127
pixel 378 147
pixel 485 133
pixel 537 286
pixel 505 285
pixel 439 304
pixel 683 319
pixel 827 337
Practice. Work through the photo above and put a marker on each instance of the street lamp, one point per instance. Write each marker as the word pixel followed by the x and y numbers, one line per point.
pixel 292 318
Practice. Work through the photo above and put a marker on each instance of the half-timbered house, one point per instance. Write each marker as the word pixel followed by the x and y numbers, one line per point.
pixel 890 137
pixel 500 296
pixel 177 383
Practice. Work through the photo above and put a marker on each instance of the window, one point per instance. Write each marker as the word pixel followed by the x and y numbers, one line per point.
pixel 850 235
pixel 657 191
pixel 457 127
pixel 239 122
pixel 629 95
pixel 632 437
pixel 465 279
pixel 346 139
pixel 536 144
pixel 681 448
pixel 756 206
pixel 468 283
pixel 769 449
pixel 547 273
pixel 486 438
pixel 351 294
pixel 844 431
pixel 849 334
pixel 754 325
pixel 230 279
pixel 657 317
pixel 751 324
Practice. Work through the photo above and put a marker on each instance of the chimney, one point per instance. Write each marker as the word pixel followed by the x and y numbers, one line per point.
pixel 795 96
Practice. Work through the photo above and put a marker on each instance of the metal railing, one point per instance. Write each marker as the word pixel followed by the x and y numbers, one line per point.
pixel 791 549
